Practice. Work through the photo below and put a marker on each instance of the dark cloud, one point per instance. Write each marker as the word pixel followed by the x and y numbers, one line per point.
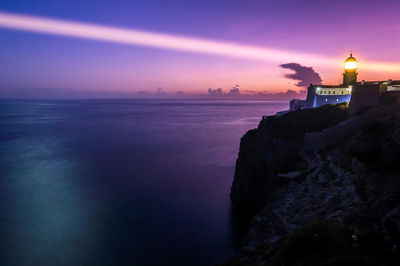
pixel 235 92
pixel 305 75
pixel 290 94
pixel 159 91
pixel 180 92
pixel 215 91
pixel 142 92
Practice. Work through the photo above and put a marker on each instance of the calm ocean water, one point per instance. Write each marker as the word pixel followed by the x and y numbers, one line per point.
pixel 115 182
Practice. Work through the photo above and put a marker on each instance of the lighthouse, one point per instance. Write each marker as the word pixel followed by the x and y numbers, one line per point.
pixel 359 94
pixel 350 71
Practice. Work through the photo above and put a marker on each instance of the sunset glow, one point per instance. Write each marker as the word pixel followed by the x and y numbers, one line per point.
pixel 186 47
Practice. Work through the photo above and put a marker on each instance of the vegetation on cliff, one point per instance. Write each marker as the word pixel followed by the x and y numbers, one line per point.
pixel 294 125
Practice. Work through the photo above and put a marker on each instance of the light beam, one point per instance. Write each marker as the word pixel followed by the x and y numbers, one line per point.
pixel 171 42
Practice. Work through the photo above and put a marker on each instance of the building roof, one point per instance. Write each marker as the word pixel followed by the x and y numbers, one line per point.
pixel 351 59
pixel 373 82
pixel 395 82
pixel 389 82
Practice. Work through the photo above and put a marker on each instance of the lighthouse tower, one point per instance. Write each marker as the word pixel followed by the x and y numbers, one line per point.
pixel 350 71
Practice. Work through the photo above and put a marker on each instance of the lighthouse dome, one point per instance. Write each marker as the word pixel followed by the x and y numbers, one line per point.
pixel 350 63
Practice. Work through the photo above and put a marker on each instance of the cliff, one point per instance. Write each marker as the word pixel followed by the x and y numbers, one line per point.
pixel 273 148
pixel 336 205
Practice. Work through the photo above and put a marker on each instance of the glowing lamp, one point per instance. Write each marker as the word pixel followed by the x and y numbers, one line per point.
pixel 350 65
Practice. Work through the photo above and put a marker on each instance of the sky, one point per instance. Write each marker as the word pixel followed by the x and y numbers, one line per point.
pixel 253 38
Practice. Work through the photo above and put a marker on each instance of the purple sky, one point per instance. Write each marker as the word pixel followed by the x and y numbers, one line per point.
pixel 29 61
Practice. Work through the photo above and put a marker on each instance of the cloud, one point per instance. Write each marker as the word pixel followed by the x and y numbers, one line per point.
pixel 219 92
pixel 236 93
pixel 305 75
pixel 180 92
pixel 143 92
pixel 159 91
pixel 289 94
pixel 215 91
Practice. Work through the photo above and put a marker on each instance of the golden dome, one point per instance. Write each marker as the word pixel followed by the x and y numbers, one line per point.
pixel 350 63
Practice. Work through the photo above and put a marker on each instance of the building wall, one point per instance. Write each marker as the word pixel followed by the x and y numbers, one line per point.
pixel 390 97
pixel 310 96
pixel 350 77
pixel 393 88
pixel 363 96
pixel 333 91
pixel 330 99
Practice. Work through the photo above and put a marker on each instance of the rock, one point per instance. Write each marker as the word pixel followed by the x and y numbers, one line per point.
pixel 256 168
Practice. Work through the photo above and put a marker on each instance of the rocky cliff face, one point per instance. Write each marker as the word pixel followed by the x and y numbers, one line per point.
pixel 351 190
pixel 261 158
pixel 273 148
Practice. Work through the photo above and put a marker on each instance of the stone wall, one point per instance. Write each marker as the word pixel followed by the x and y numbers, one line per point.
pixel 363 96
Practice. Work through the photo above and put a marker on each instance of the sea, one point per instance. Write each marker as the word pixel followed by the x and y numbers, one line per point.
pixel 121 182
